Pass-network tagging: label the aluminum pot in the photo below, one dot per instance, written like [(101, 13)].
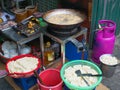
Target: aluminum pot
[(63, 27), (108, 69)]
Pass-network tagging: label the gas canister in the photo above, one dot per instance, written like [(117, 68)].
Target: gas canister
[(104, 39)]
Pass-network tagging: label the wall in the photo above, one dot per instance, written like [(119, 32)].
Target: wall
[(104, 9)]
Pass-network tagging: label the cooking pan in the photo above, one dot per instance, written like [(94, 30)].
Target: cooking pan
[(55, 12)]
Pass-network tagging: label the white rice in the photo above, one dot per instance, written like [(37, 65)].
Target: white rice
[(108, 59), (72, 77)]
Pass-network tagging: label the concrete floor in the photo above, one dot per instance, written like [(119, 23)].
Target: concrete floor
[(4, 85), (114, 82)]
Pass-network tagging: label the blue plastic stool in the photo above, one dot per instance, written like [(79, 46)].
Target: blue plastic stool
[(25, 83), (66, 88)]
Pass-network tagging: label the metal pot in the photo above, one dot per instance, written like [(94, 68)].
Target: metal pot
[(63, 27)]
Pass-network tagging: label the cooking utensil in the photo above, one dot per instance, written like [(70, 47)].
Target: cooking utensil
[(37, 75), (78, 72), (54, 12)]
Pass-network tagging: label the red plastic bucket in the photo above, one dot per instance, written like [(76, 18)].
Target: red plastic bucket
[(51, 79)]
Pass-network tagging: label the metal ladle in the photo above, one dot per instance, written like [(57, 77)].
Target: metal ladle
[(40, 80), (78, 72)]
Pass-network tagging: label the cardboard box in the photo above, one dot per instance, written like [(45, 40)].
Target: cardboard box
[(102, 87)]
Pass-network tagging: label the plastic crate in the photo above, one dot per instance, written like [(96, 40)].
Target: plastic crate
[(25, 83)]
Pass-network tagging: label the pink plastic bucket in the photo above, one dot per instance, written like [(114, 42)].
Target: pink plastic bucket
[(51, 79)]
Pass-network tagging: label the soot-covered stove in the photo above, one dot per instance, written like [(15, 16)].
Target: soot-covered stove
[(64, 32)]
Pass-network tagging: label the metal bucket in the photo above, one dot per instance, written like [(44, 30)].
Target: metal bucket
[(107, 70)]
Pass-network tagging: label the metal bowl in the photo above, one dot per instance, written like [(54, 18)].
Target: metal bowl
[(55, 12)]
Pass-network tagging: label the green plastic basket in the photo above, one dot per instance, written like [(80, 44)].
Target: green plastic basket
[(79, 62)]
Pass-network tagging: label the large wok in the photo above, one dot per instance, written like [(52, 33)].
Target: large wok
[(54, 12)]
